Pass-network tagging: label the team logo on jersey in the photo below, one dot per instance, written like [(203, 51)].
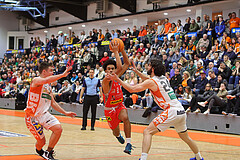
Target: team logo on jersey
[(33, 97), (172, 95), (116, 101), (109, 118)]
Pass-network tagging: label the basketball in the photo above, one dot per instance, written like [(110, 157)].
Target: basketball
[(120, 42)]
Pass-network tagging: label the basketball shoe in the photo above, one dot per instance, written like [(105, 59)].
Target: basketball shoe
[(128, 148), (121, 139), (195, 158), (43, 153)]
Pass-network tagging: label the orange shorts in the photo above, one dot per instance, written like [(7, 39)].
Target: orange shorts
[(112, 115), (36, 124)]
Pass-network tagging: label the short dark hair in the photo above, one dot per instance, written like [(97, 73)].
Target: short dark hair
[(92, 69), (159, 67), (44, 66), (109, 62)]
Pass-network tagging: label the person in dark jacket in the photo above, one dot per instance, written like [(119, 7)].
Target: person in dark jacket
[(176, 79), (225, 71), (233, 102), (194, 106), (200, 82), (218, 82), (212, 78)]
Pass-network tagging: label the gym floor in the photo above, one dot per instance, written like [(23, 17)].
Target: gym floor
[(102, 145)]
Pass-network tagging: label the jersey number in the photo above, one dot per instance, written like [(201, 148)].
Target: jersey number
[(166, 86)]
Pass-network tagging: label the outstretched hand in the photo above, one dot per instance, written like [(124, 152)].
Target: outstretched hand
[(132, 67), (114, 45), (66, 72), (71, 114)]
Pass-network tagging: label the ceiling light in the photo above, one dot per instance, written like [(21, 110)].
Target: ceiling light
[(109, 22), (165, 13), (45, 31), (125, 19), (83, 25), (156, 23), (69, 28), (188, 10), (219, 15)]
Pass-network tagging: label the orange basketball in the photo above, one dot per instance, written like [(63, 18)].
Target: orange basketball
[(120, 42)]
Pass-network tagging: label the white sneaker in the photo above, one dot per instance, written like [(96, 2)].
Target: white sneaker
[(202, 104), (224, 113), (206, 112), (188, 110), (197, 111), (232, 114), (131, 107)]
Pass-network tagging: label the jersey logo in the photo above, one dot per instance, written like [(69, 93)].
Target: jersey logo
[(116, 101), (33, 97), (172, 95), (108, 118)]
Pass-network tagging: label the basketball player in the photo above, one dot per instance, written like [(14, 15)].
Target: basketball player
[(40, 98), (173, 114), (115, 111)]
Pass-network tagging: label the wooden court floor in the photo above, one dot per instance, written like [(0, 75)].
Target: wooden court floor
[(102, 145)]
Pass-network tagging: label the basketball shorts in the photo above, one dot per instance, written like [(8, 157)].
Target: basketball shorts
[(112, 114), (171, 117), (36, 124)]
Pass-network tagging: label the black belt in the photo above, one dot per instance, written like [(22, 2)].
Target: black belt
[(91, 95), (180, 112)]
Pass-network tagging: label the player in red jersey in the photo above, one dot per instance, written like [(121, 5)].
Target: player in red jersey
[(115, 111)]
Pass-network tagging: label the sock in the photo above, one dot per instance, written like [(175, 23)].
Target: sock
[(128, 140), (198, 156), (144, 156), (49, 149), (40, 152)]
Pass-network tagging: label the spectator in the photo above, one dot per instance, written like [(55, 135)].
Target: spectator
[(186, 80), (234, 78), (212, 78), (211, 67), (193, 26), (100, 35), (65, 92), (187, 25), (218, 82), (179, 91), (179, 28), (135, 33), (176, 79), (234, 23), (105, 58), (203, 42), (220, 28), (227, 61), (225, 71), (198, 71), (187, 97), (167, 26), (107, 36), (233, 102), (74, 78), (191, 68), (194, 106), (216, 100), (198, 21), (230, 53), (141, 49), (61, 38), (200, 82)]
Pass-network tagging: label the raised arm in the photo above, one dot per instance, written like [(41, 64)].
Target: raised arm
[(40, 81), (148, 84), (126, 63), (114, 47)]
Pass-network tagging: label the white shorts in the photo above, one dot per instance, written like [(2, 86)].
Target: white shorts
[(171, 117), (36, 124)]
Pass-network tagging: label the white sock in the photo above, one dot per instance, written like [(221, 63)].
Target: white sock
[(144, 156), (198, 156), (128, 140)]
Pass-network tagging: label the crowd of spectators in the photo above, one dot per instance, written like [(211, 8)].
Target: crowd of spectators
[(197, 67)]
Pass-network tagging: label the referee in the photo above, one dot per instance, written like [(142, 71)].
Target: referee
[(91, 98)]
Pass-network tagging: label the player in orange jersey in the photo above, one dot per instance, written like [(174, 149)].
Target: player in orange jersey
[(173, 114), (40, 98)]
